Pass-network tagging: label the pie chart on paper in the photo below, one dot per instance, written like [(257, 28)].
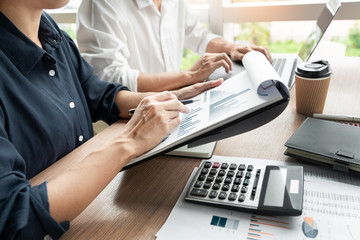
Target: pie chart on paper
[(310, 227)]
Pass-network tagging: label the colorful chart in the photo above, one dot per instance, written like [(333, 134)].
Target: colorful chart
[(266, 227), (309, 227), (224, 222)]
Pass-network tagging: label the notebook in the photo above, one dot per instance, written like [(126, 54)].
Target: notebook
[(201, 151), (326, 142), (285, 63)]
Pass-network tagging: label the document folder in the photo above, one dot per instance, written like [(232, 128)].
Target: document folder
[(327, 143), (243, 102)]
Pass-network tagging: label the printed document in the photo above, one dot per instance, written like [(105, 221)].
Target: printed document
[(235, 98)]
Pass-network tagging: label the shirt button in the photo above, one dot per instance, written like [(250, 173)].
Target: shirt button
[(72, 104), (81, 138), (48, 237), (52, 72)]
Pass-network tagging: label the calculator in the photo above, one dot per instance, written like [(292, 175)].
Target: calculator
[(256, 188)]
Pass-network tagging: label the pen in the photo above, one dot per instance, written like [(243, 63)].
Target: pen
[(336, 117), (187, 101)]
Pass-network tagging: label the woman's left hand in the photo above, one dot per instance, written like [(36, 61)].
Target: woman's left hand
[(196, 89)]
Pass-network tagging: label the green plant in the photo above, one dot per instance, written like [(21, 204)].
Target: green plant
[(188, 60), (354, 36), (256, 33)]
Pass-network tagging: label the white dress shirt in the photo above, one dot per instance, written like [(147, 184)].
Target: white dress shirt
[(121, 38)]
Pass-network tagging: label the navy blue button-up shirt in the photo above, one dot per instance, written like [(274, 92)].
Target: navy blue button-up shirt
[(48, 99)]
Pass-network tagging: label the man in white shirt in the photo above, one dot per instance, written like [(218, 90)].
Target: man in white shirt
[(140, 43)]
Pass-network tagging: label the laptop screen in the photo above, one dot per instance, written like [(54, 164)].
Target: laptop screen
[(319, 29)]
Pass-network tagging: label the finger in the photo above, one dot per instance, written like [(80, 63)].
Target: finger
[(163, 96), (224, 56), (265, 51), (173, 123), (222, 63), (202, 87), (174, 105)]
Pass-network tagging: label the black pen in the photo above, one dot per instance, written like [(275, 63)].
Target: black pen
[(187, 101)]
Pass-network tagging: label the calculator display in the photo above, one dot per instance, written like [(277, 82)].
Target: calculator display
[(274, 195)]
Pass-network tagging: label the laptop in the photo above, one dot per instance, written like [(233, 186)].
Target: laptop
[(285, 63)]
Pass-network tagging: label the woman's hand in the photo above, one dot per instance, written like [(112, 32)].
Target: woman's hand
[(196, 89), (152, 121)]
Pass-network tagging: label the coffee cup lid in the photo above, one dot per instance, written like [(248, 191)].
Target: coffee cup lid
[(315, 69)]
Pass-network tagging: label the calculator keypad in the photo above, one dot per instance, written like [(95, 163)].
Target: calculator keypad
[(226, 183)]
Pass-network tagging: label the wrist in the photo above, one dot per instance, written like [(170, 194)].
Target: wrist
[(122, 148), (187, 77)]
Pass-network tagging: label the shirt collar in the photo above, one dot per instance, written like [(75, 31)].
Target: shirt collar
[(19, 48)]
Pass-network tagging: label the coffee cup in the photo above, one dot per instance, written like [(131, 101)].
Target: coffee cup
[(312, 81)]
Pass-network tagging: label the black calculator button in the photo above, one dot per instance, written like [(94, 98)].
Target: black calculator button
[(222, 195), (253, 192), (246, 182), (237, 181), (242, 197), (228, 180), (207, 185), (198, 184), (213, 172), (201, 177), (213, 194), (222, 173), (242, 167), (216, 186), (210, 178), (250, 168), (232, 196), (224, 166), (233, 166), (244, 189), (216, 165), (199, 192), (225, 187), (258, 172), (207, 165), (248, 175), (219, 179), (235, 188), (230, 173), (239, 174), (204, 171)]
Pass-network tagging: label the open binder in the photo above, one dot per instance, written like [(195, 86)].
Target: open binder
[(243, 102)]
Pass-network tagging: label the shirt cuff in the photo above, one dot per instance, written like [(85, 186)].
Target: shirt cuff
[(205, 42), (124, 75), (41, 223)]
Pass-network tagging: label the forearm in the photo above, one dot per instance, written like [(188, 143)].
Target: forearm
[(158, 82), (126, 100), (219, 45), (71, 192)]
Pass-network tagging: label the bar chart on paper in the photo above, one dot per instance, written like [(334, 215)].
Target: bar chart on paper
[(223, 222), (268, 227)]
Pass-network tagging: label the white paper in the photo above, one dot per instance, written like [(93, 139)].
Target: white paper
[(331, 211), (235, 98)]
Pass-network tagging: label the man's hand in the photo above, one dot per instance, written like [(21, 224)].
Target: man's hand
[(207, 64), (238, 51)]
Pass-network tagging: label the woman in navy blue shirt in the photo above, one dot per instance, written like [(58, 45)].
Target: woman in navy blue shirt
[(48, 100)]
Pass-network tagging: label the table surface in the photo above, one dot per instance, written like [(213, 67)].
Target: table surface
[(138, 200)]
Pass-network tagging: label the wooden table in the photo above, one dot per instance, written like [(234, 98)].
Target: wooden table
[(138, 200)]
